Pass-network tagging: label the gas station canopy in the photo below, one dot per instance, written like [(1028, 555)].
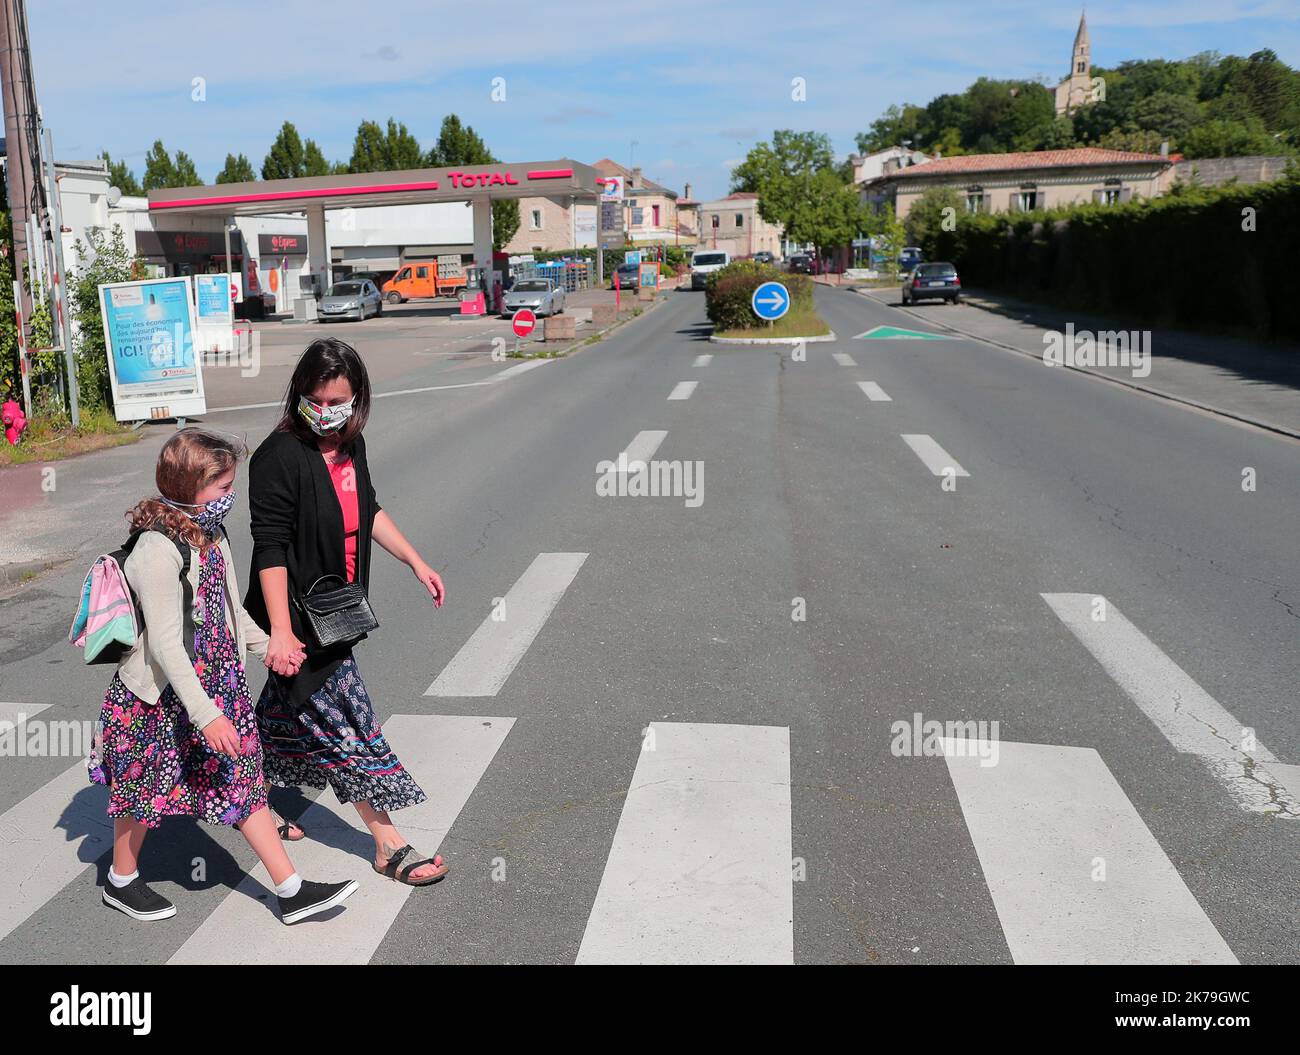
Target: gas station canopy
[(543, 179)]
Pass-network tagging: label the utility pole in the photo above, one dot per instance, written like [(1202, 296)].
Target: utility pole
[(22, 143), (60, 287)]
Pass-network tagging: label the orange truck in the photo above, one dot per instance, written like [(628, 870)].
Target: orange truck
[(426, 278)]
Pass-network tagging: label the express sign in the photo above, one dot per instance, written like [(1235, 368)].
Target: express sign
[(481, 179)]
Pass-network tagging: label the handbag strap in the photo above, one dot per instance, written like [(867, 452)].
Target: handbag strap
[(312, 588)]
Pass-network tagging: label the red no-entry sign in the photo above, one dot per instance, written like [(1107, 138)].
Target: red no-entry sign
[(523, 322)]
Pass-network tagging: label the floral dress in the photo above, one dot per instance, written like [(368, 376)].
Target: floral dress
[(154, 761)]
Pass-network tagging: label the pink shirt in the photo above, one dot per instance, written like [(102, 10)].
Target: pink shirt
[(344, 478)]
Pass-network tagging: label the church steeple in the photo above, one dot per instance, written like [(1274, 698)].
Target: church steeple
[(1082, 63)]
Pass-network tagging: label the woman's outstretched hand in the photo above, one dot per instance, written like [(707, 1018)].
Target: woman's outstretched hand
[(432, 582), (285, 653)]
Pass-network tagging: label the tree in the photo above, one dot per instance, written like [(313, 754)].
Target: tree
[(314, 163), (158, 168), (285, 158), (236, 170), (926, 216), (376, 150), (121, 177), (459, 144), (1220, 139), (185, 174), (888, 241), (103, 258)]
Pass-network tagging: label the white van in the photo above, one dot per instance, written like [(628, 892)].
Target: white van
[(704, 262)]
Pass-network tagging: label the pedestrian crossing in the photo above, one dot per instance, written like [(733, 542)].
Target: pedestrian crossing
[(701, 866)]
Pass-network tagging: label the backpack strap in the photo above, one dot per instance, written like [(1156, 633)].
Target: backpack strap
[(187, 592)]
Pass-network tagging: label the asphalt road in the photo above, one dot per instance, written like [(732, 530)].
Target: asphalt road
[(1129, 832)]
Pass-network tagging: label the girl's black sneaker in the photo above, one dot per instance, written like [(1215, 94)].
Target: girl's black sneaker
[(138, 901), (314, 898)]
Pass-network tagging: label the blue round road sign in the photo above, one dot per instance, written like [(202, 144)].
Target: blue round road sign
[(770, 301)]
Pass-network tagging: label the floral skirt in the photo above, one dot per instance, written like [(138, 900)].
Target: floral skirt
[(335, 739), (158, 765)]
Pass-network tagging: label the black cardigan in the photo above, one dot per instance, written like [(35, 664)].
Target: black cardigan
[(297, 524)]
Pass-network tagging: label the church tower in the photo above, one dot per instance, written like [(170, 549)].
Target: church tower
[(1076, 89)]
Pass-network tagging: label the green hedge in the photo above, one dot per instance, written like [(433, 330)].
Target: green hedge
[(1182, 259), (729, 289)]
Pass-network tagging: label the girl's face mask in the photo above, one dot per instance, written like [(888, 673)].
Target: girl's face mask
[(324, 420), (210, 514)]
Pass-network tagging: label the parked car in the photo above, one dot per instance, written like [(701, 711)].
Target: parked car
[(800, 264), (625, 277), (932, 282), (351, 300), (764, 257), (704, 263), (535, 293)]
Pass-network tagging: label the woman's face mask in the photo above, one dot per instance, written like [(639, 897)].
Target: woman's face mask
[(324, 420), (210, 514)]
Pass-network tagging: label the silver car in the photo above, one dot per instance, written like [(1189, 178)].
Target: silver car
[(535, 293), (351, 300)]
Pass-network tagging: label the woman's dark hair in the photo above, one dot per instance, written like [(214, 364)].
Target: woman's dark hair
[(324, 360)]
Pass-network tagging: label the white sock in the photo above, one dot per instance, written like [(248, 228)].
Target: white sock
[(122, 881), (289, 887)]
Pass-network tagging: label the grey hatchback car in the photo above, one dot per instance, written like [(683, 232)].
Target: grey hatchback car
[(351, 300), (932, 281)]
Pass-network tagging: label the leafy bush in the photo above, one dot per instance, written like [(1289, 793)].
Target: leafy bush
[(1191, 258), (729, 289)]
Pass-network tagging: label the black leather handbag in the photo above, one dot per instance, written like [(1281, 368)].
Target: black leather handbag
[(337, 616)]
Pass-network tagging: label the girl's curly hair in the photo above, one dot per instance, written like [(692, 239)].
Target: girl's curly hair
[(188, 462)]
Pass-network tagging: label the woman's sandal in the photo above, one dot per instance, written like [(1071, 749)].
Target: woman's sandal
[(404, 876), (284, 827)]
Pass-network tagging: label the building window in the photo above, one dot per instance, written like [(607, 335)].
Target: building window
[(537, 220), (975, 199), (654, 212), (1110, 195), (1027, 199), (715, 221), (740, 219), (1080, 66)]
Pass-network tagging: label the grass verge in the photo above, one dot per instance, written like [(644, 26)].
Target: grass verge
[(47, 440), (802, 323)]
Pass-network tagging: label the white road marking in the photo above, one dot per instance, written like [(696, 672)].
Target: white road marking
[(936, 459), (683, 390), (51, 836), (703, 360), (844, 359), (1074, 873), (1191, 719), (700, 867), (448, 755), (517, 369), (874, 392), (487, 659), (643, 447)]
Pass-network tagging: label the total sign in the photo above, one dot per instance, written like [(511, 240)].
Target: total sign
[(770, 301), (611, 188)]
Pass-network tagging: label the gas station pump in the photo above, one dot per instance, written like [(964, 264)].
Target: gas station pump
[(473, 297)]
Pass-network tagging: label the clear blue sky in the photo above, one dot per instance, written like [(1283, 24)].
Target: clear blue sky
[(694, 84)]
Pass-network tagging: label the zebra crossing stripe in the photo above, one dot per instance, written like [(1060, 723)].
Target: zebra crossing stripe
[(1192, 720), (700, 867), (486, 660), (1074, 873), (51, 836), (448, 754)]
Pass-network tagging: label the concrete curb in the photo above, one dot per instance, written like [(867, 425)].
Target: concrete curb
[(773, 340), (579, 343), (1245, 419)]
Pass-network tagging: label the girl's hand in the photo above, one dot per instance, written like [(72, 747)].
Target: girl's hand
[(284, 653), (432, 582), (221, 736)]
